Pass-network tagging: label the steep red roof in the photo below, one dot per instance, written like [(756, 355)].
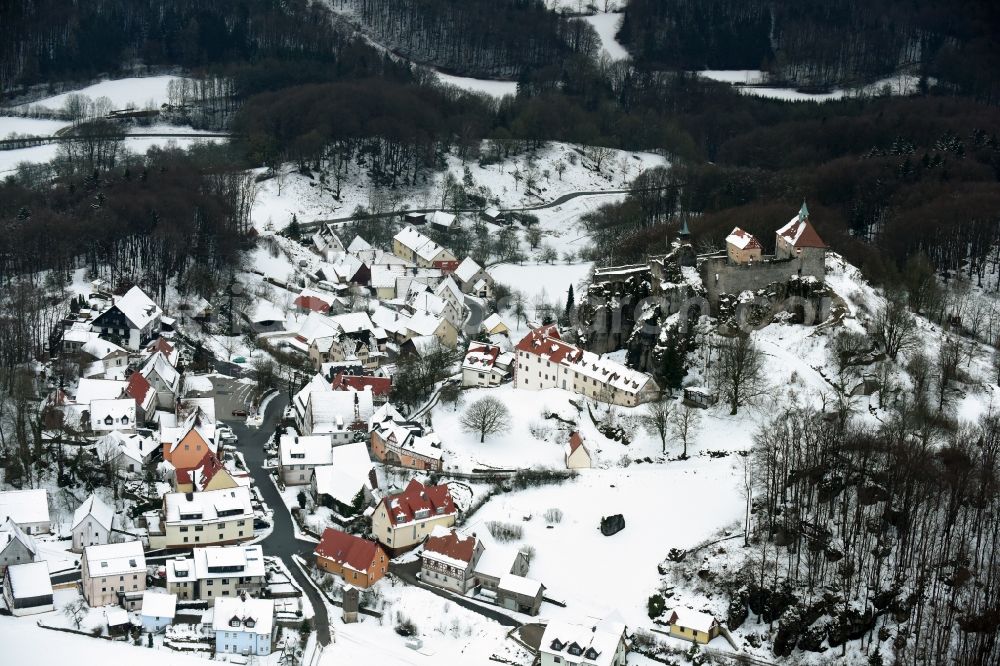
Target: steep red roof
[(452, 545), (800, 233), (447, 267), (346, 549), (312, 303), (575, 441), (208, 466), (161, 345), (545, 340), (381, 386), (403, 507), (138, 388), (744, 240)]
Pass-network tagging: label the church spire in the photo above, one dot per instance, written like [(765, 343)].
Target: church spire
[(803, 212)]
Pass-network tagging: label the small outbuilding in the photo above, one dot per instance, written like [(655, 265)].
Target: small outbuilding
[(576, 453), (520, 594), (158, 611), (695, 396), (27, 588), (693, 625)]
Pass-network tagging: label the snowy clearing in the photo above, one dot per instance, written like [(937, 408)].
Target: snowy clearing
[(490, 87), (32, 126), (548, 282), (607, 26), (137, 92)]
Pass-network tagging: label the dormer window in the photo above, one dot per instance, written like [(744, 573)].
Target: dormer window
[(574, 649), (108, 420), (235, 622), (557, 645), (250, 622), (591, 654)]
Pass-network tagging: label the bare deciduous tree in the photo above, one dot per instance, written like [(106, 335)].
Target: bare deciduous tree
[(893, 328), (656, 421), (684, 422), (739, 370), (486, 416)]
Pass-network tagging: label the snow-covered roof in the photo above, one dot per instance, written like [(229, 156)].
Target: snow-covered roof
[(317, 325), (480, 357), (410, 238), (334, 411), (467, 269), (305, 449), (255, 616), (159, 363), (448, 546), (419, 502), (353, 322), (358, 244), (115, 559), (138, 307), (100, 348), (208, 505), (89, 390), (217, 562), (30, 580), (598, 640), (742, 240), (449, 286), (691, 619), (528, 587), (102, 513), (115, 616), (800, 233), (136, 446), (441, 219), (493, 322), (347, 473), (9, 531), (424, 323), (546, 343), (25, 507), (264, 310), (348, 550), (496, 561), (387, 413), (120, 413), (158, 604)]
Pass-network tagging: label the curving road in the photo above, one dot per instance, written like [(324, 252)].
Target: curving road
[(281, 542)]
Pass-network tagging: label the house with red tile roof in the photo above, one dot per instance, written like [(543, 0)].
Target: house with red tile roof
[(140, 390), (743, 247), (208, 474), (485, 365), (449, 560), (358, 561), (310, 300), (576, 452), (544, 361), (402, 521), (381, 387)]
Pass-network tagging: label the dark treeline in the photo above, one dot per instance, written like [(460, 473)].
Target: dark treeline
[(822, 42), (885, 179), (492, 38), (875, 534), (57, 40)]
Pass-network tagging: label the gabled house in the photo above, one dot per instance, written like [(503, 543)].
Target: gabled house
[(693, 625), (16, 547), (405, 444), (114, 573), (111, 359), (576, 454), (131, 321), (135, 449), (473, 279), (243, 626), (743, 247), (327, 243), (298, 455), (144, 395), (411, 245), (217, 571), (206, 518), (337, 413), (584, 643), (29, 509), (92, 524), (441, 220), (158, 611), (27, 589), (107, 415), (346, 485), (163, 377), (494, 325), (185, 446), (358, 561), (402, 521), (449, 560), (485, 365), (380, 387), (208, 474), (799, 241), (163, 346), (454, 309), (310, 300), (544, 360)]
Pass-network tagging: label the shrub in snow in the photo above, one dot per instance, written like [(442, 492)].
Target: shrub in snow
[(655, 606), (405, 626), (504, 532), (553, 515)]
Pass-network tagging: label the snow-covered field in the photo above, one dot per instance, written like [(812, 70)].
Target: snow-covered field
[(607, 26), (31, 126), (548, 282), (137, 92), (745, 79), (9, 159), (487, 86)]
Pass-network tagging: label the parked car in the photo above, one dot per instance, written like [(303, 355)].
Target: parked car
[(239, 412), (260, 524)]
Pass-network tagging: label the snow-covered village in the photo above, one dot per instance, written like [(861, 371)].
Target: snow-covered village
[(498, 332)]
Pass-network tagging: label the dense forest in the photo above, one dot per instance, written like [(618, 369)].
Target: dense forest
[(491, 38), (822, 42)]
